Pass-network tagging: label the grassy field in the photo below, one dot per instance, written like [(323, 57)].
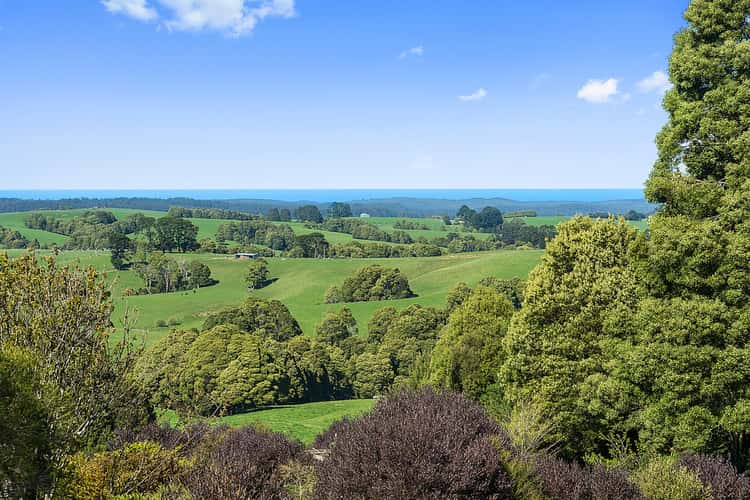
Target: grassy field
[(554, 220), (15, 220), (303, 421), (300, 285)]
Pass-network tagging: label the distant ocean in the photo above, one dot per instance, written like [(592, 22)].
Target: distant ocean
[(329, 195)]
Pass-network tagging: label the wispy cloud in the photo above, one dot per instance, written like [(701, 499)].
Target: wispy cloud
[(417, 51), (656, 82), (137, 9), (598, 91), (232, 17), (477, 95)]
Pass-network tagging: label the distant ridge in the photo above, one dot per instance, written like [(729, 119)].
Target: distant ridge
[(384, 207)]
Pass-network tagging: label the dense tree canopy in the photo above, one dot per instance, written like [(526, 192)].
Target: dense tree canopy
[(267, 317), (470, 347), (256, 275), (555, 343), (308, 213), (175, 233), (339, 209), (10, 238), (698, 270), (371, 283), (162, 274), (649, 339), (487, 219)]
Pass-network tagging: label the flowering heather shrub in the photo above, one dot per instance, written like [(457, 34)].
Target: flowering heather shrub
[(245, 464), (417, 445), (718, 474), (569, 481)]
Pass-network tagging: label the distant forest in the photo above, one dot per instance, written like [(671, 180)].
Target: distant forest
[(391, 207)]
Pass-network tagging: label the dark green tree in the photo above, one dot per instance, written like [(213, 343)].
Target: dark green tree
[(308, 213), (26, 449), (256, 275), (486, 220), (338, 209), (686, 359), (273, 214), (465, 213), (120, 248), (337, 326), (313, 245), (267, 317), (555, 344), (285, 215), (372, 283), (199, 275), (175, 233), (470, 347)]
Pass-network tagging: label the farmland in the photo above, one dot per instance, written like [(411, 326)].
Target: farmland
[(300, 284)]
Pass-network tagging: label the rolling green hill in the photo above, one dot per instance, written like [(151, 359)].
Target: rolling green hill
[(300, 285)]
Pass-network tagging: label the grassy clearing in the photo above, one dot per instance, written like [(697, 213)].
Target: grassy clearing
[(303, 421)]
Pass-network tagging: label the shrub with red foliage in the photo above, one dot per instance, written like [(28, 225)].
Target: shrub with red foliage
[(569, 481), (719, 474), (243, 465), (417, 445)]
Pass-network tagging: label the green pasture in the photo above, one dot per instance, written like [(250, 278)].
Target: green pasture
[(302, 421), (15, 220), (299, 283)]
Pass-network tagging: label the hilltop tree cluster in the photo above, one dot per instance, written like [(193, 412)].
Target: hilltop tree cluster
[(10, 238), (162, 274), (371, 283)]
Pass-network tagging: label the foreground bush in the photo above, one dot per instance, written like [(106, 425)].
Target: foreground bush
[(663, 479), (245, 464), (138, 468), (414, 445), (718, 476), (569, 481)]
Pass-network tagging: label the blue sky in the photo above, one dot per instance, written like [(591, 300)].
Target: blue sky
[(254, 94)]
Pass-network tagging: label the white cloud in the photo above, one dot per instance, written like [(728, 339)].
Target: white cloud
[(137, 9), (417, 51), (233, 17), (598, 91), (657, 82), (477, 95)]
